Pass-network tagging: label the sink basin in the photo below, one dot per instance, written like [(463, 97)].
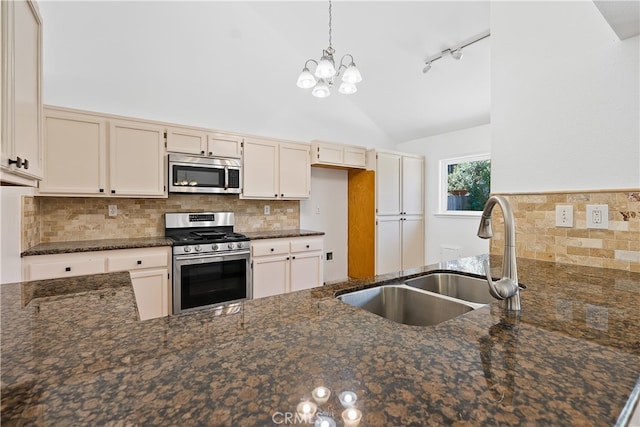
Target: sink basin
[(406, 305), (458, 286)]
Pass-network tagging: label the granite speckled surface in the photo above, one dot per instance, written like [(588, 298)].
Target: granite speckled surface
[(83, 358), (277, 234), (95, 245)]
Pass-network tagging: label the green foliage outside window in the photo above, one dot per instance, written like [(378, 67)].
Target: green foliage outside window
[(471, 180)]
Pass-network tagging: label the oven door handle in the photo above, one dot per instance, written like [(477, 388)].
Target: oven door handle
[(222, 256)]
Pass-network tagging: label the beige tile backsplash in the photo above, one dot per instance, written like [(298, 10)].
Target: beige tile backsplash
[(537, 237), (58, 219)]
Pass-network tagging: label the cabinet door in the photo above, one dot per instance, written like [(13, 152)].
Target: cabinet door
[(220, 144), (295, 171), (355, 157), (329, 153), (388, 184), (412, 185), (152, 292), (22, 88), (412, 242), (260, 161), (188, 141), (136, 159), (306, 270), (270, 276), (388, 245), (76, 150)]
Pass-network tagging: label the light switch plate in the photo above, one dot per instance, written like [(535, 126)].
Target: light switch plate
[(598, 216), (564, 216)]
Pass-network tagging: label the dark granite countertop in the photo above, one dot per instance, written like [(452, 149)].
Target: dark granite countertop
[(95, 245), (78, 355), (277, 234)]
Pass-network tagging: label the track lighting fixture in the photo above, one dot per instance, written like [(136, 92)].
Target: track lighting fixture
[(455, 53)]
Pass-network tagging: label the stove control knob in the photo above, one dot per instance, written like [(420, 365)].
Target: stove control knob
[(198, 248), (214, 247), (240, 245), (230, 245), (187, 248)]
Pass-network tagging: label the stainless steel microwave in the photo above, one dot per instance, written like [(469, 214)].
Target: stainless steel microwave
[(195, 174)]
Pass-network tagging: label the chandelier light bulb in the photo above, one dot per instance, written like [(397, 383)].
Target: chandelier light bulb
[(321, 89), (325, 68), (347, 88), (306, 79), (352, 74)]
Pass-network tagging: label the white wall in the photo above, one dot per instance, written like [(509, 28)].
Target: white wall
[(565, 99), (10, 220), (444, 230), (329, 197)]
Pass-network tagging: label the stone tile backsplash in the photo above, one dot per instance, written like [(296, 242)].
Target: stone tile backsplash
[(58, 219), (537, 237)]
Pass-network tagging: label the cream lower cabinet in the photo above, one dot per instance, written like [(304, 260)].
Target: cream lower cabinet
[(286, 265), (275, 170), (149, 269), (399, 243)]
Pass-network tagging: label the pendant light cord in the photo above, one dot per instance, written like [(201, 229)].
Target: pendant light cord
[(330, 47)]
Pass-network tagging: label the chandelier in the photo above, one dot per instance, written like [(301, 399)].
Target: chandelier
[(326, 72)]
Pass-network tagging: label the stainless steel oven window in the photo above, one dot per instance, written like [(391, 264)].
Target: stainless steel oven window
[(210, 280)]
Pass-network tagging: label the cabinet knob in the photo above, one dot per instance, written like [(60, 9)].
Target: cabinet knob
[(25, 163), (210, 153), (101, 190), (307, 246), (139, 262), (67, 269), (17, 162), (113, 191), (202, 152), (287, 258), (275, 195), (282, 195), (293, 257), (271, 249)]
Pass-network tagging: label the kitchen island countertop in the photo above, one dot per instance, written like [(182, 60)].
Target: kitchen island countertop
[(75, 352)]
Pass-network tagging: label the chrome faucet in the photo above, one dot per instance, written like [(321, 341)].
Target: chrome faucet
[(507, 287)]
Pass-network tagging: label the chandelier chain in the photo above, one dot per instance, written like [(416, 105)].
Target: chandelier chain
[(330, 47)]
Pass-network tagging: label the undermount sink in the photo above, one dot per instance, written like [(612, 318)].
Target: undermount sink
[(407, 305), (458, 286)]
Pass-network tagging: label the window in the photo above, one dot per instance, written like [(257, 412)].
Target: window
[(465, 184)]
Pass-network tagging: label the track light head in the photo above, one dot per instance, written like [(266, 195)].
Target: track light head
[(456, 54), (427, 67)]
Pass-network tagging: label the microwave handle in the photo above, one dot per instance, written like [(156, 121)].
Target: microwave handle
[(226, 177)]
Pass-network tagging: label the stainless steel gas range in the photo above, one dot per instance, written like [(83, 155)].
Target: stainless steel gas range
[(210, 261)]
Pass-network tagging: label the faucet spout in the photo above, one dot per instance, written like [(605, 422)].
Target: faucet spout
[(507, 287)]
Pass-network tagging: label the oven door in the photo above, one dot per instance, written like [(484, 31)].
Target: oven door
[(210, 280)]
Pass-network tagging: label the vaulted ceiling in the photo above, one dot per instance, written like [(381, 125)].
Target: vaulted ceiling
[(233, 65)]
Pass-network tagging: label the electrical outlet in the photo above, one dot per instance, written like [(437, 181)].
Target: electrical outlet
[(113, 210), (564, 216), (267, 210), (598, 216)]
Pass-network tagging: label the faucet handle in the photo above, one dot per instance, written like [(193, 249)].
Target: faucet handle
[(503, 288)]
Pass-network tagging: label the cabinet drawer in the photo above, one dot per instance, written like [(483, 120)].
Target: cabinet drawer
[(270, 248), (136, 262), (51, 270), (304, 245)]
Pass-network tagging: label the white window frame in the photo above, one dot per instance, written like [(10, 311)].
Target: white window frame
[(444, 167)]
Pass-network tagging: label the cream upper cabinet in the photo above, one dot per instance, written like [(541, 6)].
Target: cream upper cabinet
[(22, 149), (93, 155), (224, 145), (199, 142), (275, 170), (338, 155), (76, 153), (295, 171), (260, 169), (399, 184), (187, 141), (136, 159)]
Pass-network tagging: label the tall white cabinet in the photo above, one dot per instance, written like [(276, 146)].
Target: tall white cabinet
[(399, 201), (21, 92)]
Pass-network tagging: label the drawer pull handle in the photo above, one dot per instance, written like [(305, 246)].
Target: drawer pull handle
[(113, 191), (307, 246), (67, 269), (139, 262)]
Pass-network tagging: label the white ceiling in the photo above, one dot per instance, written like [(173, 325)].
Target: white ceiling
[(233, 65)]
